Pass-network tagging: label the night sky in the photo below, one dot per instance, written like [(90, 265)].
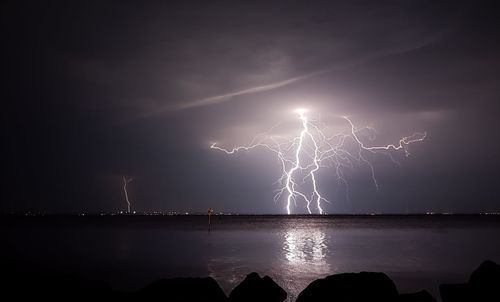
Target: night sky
[(93, 91)]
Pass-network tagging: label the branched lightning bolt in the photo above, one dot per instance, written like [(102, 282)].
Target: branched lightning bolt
[(305, 154), (125, 182)]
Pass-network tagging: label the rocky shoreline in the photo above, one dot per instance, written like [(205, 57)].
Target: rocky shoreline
[(483, 285)]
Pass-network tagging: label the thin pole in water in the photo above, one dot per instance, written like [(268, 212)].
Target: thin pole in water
[(210, 211)]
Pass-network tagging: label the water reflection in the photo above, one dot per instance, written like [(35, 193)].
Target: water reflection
[(306, 250), (228, 271)]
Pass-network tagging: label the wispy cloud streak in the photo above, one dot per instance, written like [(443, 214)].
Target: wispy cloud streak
[(226, 97)]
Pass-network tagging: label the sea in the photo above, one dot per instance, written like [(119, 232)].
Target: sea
[(129, 251)]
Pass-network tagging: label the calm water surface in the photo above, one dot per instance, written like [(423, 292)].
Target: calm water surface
[(417, 252)]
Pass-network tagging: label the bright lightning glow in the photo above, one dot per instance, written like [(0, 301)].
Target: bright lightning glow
[(300, 111), (125, 182), (301, 158)]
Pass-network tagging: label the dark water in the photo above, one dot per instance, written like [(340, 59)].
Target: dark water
[(417, 252)]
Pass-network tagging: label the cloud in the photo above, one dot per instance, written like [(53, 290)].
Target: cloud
[(228, 96)]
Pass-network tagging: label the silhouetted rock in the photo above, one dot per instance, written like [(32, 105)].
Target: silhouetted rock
[(455, 292), (483, 285), (364, 286), (484, 282), (182, 289), (255, 288), (421, 296), (486, 279)]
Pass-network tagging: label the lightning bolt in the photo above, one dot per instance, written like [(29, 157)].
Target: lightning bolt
[(301, 158), (125, 182)]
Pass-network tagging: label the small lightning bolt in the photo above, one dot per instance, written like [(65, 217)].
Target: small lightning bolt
[(301, 157), (125, 182)]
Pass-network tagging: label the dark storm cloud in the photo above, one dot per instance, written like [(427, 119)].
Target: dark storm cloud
[(96, 90)]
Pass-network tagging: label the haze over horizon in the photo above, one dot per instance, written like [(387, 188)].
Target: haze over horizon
[(98, 91)]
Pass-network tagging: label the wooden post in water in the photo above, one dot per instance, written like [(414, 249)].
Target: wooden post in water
[(210, 211)]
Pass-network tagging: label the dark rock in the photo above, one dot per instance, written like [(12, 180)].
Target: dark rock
[(182, 289), (487, 275), (485, 282), (421, 296), (364, 286), (254, 288), (483, 285), (455, 292)]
